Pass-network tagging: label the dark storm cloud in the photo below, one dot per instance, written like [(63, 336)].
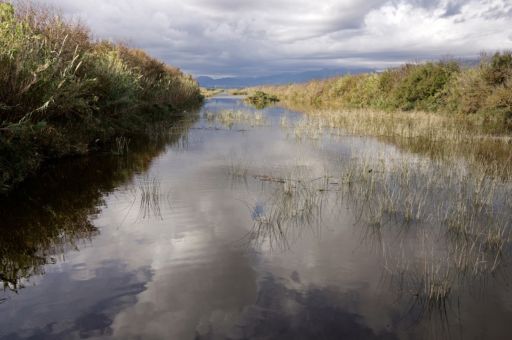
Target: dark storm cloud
[(231, 37)]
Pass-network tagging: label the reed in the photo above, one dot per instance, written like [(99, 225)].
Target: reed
[(446, 87), (229, 118), (63, 93)]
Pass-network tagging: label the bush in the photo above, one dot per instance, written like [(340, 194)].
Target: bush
[(497, 70), (444, 86), (423, 87), (61, 92)]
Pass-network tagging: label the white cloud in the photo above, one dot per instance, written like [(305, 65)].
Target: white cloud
[(250, 37)]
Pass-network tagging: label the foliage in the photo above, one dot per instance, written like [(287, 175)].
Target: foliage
[(261, 99), (443, 86), (62, 92)]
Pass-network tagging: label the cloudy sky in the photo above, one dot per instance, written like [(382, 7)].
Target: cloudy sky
[(262, 37)]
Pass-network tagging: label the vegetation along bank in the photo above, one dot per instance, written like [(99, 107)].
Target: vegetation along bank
[(481, 92), (63, 93)]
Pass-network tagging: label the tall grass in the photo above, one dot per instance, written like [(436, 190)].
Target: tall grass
[(63, 93), (445, 86)]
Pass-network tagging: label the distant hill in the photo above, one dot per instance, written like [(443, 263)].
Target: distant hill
[(283, 78)]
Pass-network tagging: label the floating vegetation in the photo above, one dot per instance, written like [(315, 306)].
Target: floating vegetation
[(261, 99)]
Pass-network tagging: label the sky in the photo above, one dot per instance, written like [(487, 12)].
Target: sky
[(264, 37)]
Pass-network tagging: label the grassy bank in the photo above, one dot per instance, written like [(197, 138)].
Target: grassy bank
[(63, 93), (445, 87)]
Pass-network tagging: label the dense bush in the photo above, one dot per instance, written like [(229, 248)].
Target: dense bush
[(63, 93), (444, 86), (422, 87), (261, 99)]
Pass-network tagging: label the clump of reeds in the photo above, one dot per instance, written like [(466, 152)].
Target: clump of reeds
[(261, 99), (457, 216), (295, 204), (434, 135), (121, 145), (150, 196), (229, 118)]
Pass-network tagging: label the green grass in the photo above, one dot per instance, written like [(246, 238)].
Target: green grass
[(63, 93), (261, 99)]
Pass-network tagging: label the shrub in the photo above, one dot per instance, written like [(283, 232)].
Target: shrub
[(61, 92), (444, 86), (423, 86), (496, 70)]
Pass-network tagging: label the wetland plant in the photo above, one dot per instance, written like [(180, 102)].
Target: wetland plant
[(229, 118), (120, 146), (261, 99), (150, 195)]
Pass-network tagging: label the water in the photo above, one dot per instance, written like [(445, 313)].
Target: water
[(224, 230)]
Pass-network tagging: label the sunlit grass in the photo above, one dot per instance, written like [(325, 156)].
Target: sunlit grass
[(229, 118)]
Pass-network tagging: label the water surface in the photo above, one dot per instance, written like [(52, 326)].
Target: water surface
[(196, 234)]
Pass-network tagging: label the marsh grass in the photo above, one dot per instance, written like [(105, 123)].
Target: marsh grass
[(439, 137), (446, 86), (260, 99), (229, 118), (295, 205), (63, 93), (150, 198), (121, 146), (238, 169), (439, 206), (461, 221), (441, 225)]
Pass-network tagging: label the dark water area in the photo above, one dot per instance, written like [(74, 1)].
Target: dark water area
[(227, 227)]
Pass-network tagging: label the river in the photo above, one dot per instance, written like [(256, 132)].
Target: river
[(233, 226)]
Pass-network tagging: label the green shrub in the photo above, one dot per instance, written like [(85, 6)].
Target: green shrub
[(61, 92), (423, 86), (444, 86), (497, 69)]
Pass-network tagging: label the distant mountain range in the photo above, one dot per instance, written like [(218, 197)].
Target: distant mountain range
[(283, 78)]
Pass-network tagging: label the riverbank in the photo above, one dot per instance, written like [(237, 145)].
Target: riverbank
[(63, 93), (481, 93)]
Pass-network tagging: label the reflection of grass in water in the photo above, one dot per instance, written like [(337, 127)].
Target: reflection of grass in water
[(178, 132), (45, 219), (465, 217), (120, 146), (439, 137), (150, 195), (461, 220), (295, 204), (456, 203), (238, 169)]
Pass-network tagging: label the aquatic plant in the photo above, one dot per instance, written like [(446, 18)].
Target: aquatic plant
[(261, 99), (150, 195), (229, 118)]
